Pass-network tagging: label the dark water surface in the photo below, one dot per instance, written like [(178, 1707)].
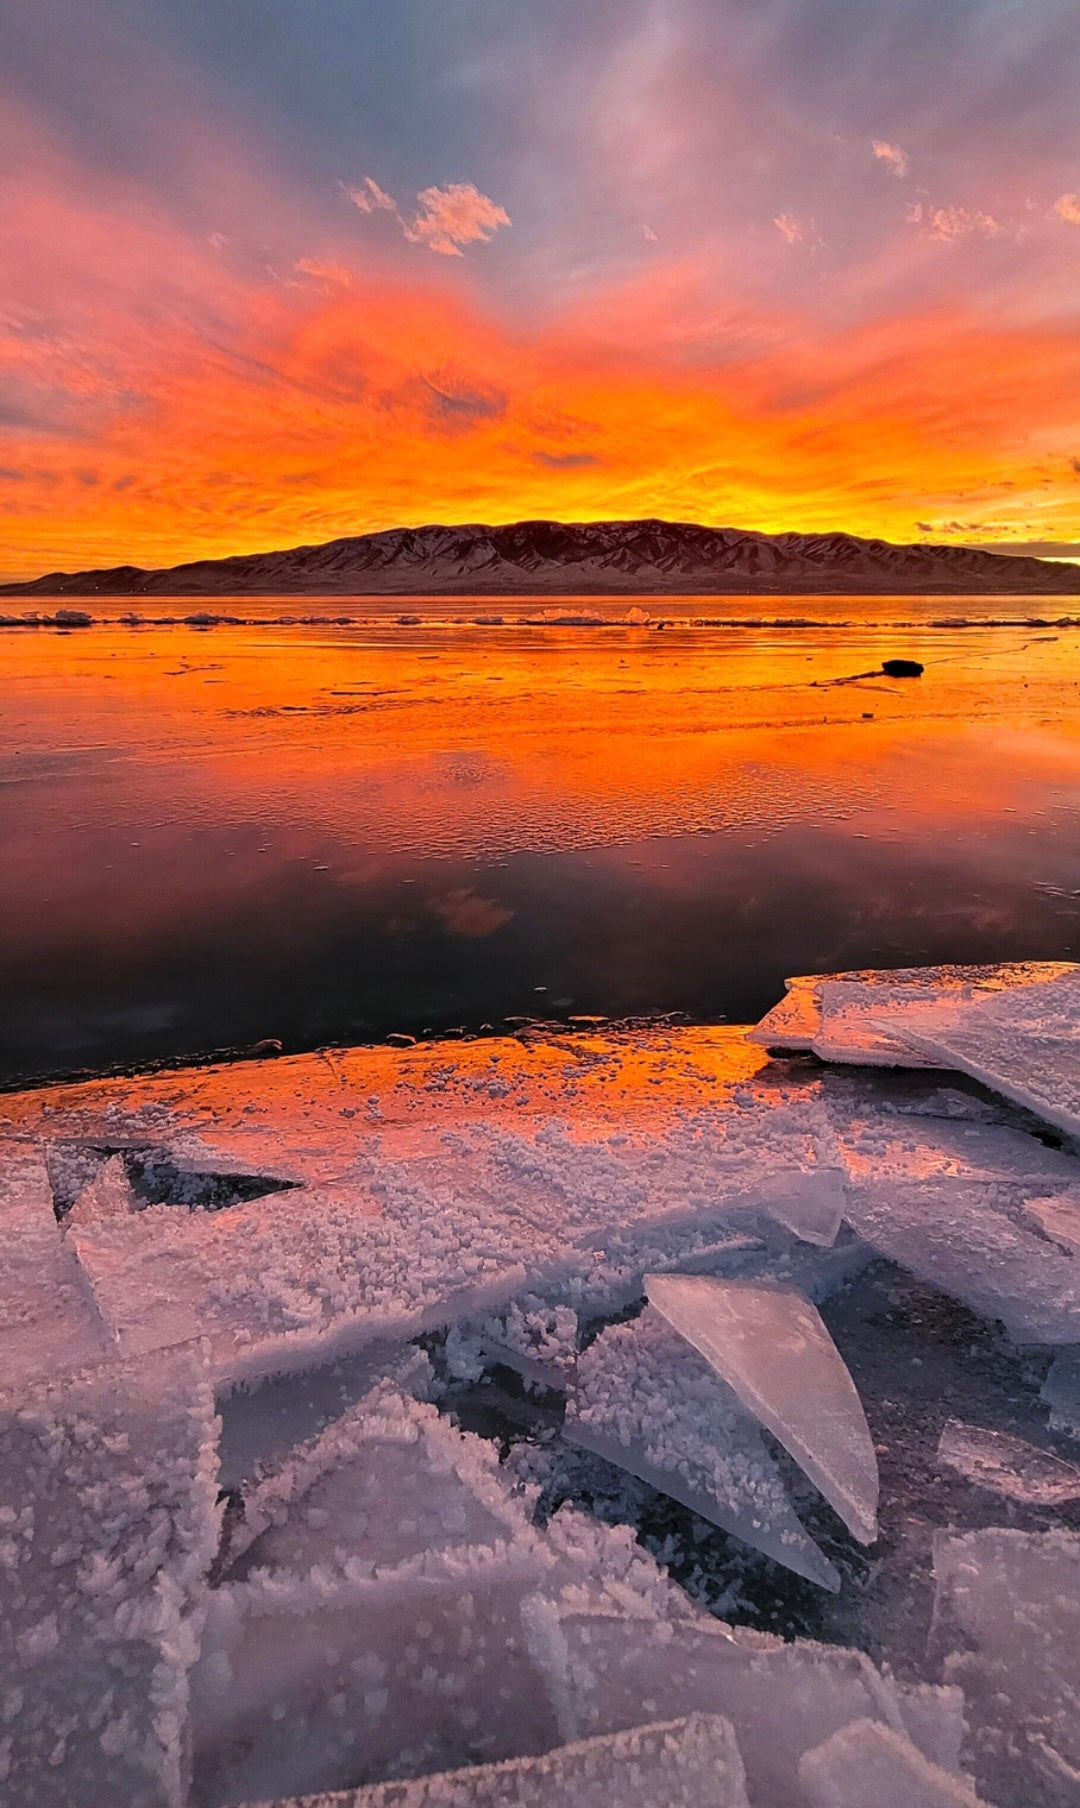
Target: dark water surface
[(328, 832)]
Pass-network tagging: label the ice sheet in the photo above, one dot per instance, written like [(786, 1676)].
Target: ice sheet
[(770, 1345), (1024, 1045), (689, 1763), (1008, 1466), (967, 1237), (108, 1523), (1007, 1623), (647, 1401), (605, 1669), (387, 1482), (868, 1763), (48, 1320)]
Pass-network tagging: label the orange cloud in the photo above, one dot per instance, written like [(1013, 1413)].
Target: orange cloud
[(789, 226), (370, 198), (897, 160), (1067, 207), (946, 223), (455, 216)]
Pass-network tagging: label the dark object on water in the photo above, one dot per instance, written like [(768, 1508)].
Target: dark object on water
[(270, 1045), (902, 668), (400, 1039)]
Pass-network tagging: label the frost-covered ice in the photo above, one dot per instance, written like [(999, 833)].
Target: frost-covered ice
[(1007, 1625), (604, 1666), (867, 1764), (688, 1763), (770, 1345), (107, 1195), (48, 1319), (108, 1524), (1023, 1044), (1008, 1466), (645, 1400)]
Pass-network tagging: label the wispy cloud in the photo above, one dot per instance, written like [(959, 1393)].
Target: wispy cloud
[(1067, 207), (949, 223), (324, 270), (790, 227), (454, 216), (897, 160), (370, 198)]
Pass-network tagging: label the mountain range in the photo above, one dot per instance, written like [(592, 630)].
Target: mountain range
[(537, 558)]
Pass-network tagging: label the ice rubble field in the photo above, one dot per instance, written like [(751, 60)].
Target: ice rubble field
[(558, 1420)]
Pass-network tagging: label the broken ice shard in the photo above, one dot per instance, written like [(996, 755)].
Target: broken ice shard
[(1007, 1465), (645, 1400), (48, 1320), (770, 1344), (870, 1763), (688, 1763)]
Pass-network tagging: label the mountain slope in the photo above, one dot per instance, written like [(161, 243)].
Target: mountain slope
[(550, 557)]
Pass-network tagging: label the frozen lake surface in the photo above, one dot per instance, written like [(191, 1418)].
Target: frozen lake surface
[(325, 833), (565, 1418)]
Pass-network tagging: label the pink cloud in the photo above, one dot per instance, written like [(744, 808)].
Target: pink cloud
[(1067, 207), (324, 270), (454, 216), (891, 154), (370, 198), (790, 227), (949, 223)]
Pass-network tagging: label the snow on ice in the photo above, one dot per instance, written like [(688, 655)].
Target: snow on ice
[(315, 1374)]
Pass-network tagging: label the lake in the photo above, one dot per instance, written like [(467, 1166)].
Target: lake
[(332, 830)]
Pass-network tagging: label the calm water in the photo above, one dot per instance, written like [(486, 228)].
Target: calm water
[(327, 832)]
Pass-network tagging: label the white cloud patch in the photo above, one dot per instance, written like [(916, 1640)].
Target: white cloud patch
[(1067, 207), (897, 160), (454, 216)]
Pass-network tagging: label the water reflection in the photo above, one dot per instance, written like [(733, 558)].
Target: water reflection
[(210, 838)]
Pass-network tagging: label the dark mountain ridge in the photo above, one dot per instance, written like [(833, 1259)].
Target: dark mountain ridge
[(538, 558)]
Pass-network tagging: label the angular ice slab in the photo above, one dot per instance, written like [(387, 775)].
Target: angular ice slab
[(867, 1765), (387, 1482), (1007, 1624), (771, 1346), (645, 1400), (108, 1195), (1023, 1044), (108, 1523), (1008, 1466), (48, 1320), (605, 1668), (689, 1763), (963, 1236)]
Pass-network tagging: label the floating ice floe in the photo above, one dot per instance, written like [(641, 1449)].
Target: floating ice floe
[(688, 1763), (868, 1763), (770, 1345), (1007, 1626), (645, 1400), (108, 1525), (1008, 1466)]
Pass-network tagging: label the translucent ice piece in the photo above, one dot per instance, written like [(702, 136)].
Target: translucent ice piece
[(957, 1235), (107, 1195), (1007, 1623), (645, 1400), (317, 1683), (604, 1669), (794, 1022), (1024, 1045), (1059, 1217), (869, 1763), (856, 1023), (771, 1346), (108, 1522), (1061, 1392), (388, 1481), (690, 1763), (48, 1320), (1008, 1466)]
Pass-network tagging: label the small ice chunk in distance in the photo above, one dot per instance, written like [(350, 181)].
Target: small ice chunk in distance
[(1007, 1465), (771, 1345), (647, 1401), (688, 1763), (867, 1763)]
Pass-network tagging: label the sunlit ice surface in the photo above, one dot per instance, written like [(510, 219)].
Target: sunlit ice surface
[(324, 832)]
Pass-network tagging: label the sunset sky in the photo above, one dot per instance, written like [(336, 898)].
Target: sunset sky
[(273, 271)]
